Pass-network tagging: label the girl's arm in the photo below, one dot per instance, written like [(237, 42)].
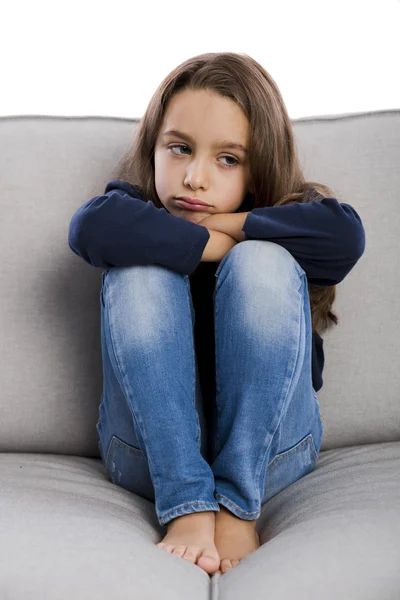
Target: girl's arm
[(217, 246), (228, 223)]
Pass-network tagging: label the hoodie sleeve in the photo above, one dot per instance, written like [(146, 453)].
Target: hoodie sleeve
[(326, 237), (119, 229)]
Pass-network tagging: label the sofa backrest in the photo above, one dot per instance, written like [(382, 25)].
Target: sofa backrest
[(50, 352)]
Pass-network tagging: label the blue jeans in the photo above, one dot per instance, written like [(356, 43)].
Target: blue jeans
[(266, 427)]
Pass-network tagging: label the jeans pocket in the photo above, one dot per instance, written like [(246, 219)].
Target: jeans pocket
[(128, 468), (289, 466)]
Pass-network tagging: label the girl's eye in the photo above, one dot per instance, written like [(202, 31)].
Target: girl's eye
[(184, 146)]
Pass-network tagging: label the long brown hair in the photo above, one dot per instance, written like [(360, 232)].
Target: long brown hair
[(276, 175)]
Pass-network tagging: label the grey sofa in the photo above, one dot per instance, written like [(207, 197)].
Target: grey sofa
[(66, 531)]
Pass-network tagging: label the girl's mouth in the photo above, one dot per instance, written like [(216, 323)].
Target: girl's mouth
[(196, 207)]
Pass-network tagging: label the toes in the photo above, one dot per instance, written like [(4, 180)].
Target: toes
[(190, 556), (225, 565), (210, 564), (179, 550), (167, 547)]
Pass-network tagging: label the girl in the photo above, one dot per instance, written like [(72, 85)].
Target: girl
[(220, 269)]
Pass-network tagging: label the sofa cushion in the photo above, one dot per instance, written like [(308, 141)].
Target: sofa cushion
[(333, 534), (66, 531)]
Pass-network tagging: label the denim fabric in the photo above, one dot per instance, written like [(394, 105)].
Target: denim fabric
[(266, 427)]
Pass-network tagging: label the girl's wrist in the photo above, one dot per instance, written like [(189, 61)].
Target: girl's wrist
[(229, 223)]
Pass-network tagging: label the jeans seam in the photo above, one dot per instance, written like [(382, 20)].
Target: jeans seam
[(262, 466), (198, 432), (121, 384)]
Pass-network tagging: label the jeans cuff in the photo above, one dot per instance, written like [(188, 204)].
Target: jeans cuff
[(235, 509), (186, 509)]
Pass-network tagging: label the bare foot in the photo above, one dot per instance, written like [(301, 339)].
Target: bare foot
[(192, 537), (234, 538)]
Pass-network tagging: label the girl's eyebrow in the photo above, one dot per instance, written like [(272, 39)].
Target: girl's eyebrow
[(219, 144)]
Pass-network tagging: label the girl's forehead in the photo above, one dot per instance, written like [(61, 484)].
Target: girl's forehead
[(198, 120)]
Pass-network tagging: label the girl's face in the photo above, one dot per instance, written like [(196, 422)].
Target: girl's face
[(194, 165)]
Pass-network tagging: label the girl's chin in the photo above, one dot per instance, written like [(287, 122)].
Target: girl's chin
[(192, 215)]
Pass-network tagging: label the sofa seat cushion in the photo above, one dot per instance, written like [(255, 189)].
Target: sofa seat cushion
[(67, 532), (333, 534), (65, 526)]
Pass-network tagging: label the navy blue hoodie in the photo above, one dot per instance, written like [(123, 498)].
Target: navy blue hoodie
[(119, 228)]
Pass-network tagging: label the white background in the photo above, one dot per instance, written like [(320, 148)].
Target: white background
[(107, 58)]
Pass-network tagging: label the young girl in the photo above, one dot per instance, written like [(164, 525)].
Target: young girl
[(212, 306)]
